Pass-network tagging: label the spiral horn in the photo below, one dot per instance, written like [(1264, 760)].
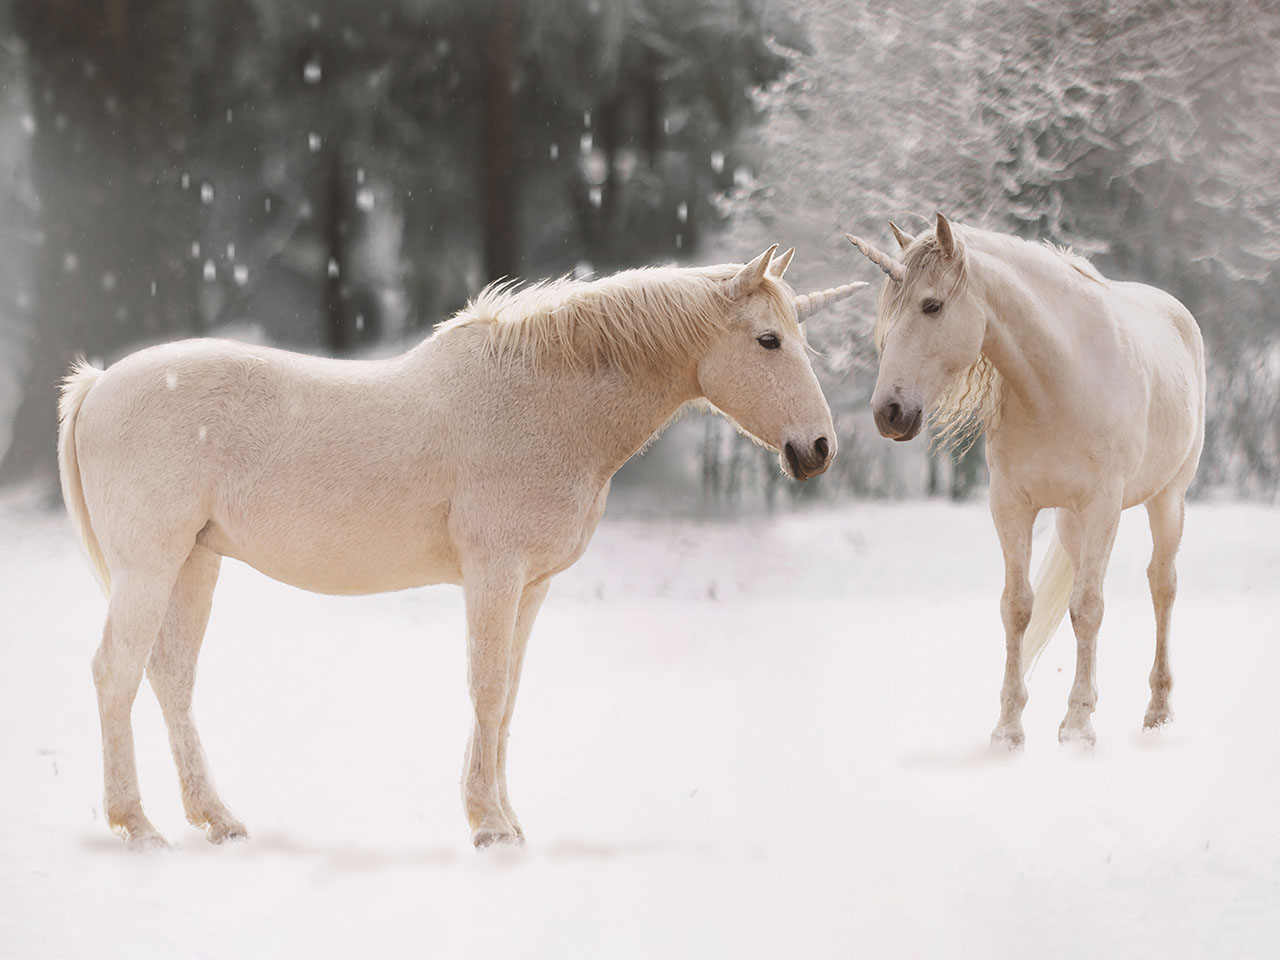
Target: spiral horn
[(892, 267), (810, 303)]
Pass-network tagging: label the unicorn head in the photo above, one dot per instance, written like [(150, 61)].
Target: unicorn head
[(929, 332), (757, 370)]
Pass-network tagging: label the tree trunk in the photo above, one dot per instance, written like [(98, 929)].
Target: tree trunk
[(499, 137), (340, 326), (110, 91)]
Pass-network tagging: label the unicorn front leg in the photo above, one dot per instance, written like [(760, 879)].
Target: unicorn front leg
[(530, 603), (1090, 532), (1013, 518), (493, 593)]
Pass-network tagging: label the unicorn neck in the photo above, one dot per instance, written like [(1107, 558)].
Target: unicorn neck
[(1028, 352), (623, 413)]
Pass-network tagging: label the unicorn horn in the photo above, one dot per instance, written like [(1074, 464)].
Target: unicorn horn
[(882, 260), (810, 303)]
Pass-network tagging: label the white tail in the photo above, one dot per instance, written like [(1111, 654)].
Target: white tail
[(1053, 593), (75, 388)]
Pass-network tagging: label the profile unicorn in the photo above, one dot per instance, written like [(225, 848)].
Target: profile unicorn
[(1092, 396), (481, 457)]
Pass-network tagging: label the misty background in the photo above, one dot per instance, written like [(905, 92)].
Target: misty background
[(338, 177)]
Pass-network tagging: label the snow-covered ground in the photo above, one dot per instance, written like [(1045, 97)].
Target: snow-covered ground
[(764, 738)]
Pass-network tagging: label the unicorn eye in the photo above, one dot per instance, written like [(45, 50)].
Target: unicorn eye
[(769, 341), (931, 305)]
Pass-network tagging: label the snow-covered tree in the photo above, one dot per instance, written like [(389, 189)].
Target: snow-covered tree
[(1145, 134)]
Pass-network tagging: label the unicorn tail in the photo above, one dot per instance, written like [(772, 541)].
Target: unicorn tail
[(75, 387), (1053, 593)]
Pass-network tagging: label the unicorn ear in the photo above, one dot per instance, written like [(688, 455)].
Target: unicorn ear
[(750, 276), (904, 239), (779, 266), (946, 241)]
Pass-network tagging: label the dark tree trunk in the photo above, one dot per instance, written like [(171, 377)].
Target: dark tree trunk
[(340, 324), (499, 137), (110, 92), (609, 126), (651, 91)]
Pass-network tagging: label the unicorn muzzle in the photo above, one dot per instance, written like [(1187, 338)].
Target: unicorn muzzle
[(805, 460), (898, 417)]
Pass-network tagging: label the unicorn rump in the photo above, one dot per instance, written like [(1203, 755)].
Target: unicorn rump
[(1092, 395), (481, 457)]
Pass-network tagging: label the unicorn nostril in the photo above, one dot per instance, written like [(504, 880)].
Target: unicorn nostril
[(893, 412), (793, 461), (821, 448)]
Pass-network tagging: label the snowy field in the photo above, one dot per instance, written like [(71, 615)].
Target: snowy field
[(760, 739)]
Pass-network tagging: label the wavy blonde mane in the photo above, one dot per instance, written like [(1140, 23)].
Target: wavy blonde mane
[(634, 321)]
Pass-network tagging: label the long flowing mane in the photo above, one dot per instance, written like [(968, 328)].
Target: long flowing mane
[(634, 321), (972, 403)]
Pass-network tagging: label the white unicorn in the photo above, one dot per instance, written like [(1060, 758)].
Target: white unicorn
[(481, 457), (1092, 395)]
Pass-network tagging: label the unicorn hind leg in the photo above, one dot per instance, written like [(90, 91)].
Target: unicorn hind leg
[(134, 616), (171, 670), (1165, 511)]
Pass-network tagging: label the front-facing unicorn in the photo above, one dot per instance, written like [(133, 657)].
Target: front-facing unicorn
[(482, 457), (1091, 393)]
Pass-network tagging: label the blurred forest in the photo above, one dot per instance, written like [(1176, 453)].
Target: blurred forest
[(338, 177)]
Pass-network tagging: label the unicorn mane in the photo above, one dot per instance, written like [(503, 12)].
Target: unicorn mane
[(1077, 262), (635, 321)]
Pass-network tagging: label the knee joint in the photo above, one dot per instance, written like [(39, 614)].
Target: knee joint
[(1162, 577), (1016, 605), (1086, 610)]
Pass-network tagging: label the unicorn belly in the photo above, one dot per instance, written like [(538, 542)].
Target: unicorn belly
[(335, 558)]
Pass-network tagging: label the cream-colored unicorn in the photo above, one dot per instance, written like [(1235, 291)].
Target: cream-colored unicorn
[(482, 457), (1092, 396)]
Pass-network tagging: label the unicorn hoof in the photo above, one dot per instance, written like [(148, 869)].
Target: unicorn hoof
[(226, 831), (496, 836), (1082, 736), (146, 840), (1157, 718), (1011, 739)]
